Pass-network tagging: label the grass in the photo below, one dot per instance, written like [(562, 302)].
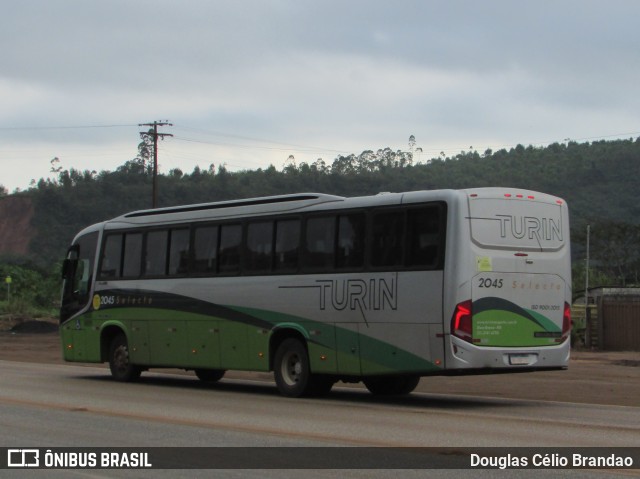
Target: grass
[(18, 309)]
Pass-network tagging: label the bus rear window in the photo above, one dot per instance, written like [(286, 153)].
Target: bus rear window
[(514, 224)]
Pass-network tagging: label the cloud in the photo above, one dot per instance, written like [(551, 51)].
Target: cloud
[(335, 76)]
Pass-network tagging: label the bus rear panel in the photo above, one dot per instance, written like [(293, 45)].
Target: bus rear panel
[(511, 308)]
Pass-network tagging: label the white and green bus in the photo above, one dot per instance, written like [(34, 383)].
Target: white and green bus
[(381, 289)]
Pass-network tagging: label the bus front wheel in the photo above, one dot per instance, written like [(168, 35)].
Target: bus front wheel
[(119, 360)]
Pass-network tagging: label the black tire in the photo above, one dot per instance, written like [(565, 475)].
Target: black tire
[(210, 375), (119, 361), (391, 385), (321, 384), (291, 369)]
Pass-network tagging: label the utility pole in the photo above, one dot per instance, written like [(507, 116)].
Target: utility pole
[(8, 281), (155, 134), (587, 311)]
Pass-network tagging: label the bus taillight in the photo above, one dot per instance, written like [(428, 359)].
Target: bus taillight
[(461, 323), (566, 322)]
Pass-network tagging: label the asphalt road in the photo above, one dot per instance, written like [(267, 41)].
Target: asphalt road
[(45, 405)]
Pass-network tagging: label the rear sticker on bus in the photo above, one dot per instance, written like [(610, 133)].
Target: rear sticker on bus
[(484, 263), (515, 310)]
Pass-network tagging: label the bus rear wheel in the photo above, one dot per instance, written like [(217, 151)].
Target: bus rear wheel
[(321, 384), (292, 372), (291, 368), (391, 385), (210, 375), (119, 360)]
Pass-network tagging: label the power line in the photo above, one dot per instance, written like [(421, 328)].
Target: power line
[(288, 146), (76, 127), (304, 149)]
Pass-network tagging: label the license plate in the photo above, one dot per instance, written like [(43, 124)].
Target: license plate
[(522, 359)]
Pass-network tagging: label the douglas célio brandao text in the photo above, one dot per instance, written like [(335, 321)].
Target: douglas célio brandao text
[(550, 460)]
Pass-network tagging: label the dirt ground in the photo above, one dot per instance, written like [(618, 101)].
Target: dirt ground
[(595, 377)]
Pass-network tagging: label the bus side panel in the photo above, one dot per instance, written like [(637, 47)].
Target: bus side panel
[(81, 339), (233, 345), (74, 342), (401, 348), (203, 344), (385, 323), (168, 342), (348, 349), (258, 348), (139, 340), (262, 324), (323, 357)]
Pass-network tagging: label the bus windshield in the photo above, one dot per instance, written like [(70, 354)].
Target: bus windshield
[(77, 273)]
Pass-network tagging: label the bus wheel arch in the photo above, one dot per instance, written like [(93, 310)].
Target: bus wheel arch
[(278, 336), (289, 360), (107, 336), (291, 368), (120, 361)]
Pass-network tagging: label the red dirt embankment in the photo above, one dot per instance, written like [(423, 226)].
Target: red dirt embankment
[(16, 230)]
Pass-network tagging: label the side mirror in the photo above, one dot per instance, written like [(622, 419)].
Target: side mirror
[(70, 264), (68, 268)]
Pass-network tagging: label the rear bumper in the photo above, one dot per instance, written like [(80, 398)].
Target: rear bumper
[(463, 355)]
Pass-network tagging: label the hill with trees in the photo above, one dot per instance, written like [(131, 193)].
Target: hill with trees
[(599, 180)]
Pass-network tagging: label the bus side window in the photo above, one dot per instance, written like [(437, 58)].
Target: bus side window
[(351, 241), (259, 247), (229, 252), (132, 261), (111, 257), (387, 234), (287, 247), (179, 251), (205, 249), (155, 256), (423, 229), (319, 243)]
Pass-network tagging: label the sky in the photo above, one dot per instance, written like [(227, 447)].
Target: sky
[(249, 83)]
